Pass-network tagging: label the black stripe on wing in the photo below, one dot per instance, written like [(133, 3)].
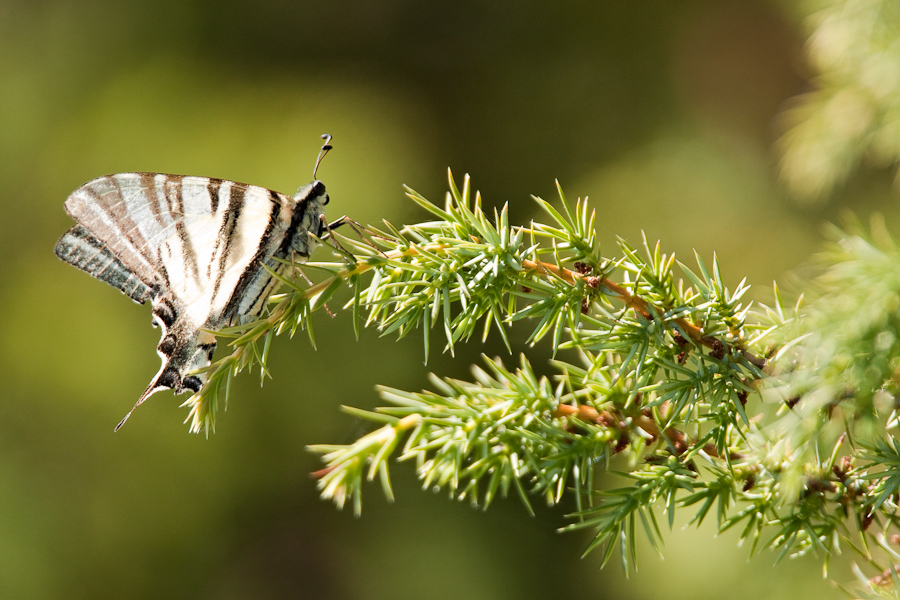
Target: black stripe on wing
[(255, 275), (226, 238), (135, 214), (99, 207), (81, 249)]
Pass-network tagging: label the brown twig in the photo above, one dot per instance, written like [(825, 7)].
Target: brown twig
[(640, 305), (886, 579), (679, 441)]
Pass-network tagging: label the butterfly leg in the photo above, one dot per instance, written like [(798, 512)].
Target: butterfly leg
[(345, 220), (326, 227), (364, 233)]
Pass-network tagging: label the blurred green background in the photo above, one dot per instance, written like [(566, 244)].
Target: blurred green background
[(663, 112)]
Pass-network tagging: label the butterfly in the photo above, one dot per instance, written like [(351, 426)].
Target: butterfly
[(201, 250)]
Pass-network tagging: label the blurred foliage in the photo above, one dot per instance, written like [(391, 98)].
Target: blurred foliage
[(853, 114)]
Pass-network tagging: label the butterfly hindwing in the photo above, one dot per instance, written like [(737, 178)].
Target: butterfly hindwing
[(194, 246), (81, 249)]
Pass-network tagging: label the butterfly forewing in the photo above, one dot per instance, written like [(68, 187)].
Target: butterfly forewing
[(196, 247)]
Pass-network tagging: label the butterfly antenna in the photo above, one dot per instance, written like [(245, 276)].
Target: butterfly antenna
[(325, 148)]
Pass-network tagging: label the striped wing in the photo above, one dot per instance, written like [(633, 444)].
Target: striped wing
[(194, 246), (82, 249)]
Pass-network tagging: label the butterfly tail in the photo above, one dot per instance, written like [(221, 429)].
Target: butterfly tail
[(180, 356), (158, 383)]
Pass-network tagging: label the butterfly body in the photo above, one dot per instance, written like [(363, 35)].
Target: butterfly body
[(199, 249)]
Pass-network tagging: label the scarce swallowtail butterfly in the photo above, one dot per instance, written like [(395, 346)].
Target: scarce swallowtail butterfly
[(199, 249)]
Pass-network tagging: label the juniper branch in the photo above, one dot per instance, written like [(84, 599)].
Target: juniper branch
[(659, 370)]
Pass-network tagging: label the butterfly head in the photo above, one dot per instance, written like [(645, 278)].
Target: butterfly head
[(312, 193)]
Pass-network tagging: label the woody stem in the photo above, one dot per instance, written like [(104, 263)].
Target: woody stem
[(635, 302)]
